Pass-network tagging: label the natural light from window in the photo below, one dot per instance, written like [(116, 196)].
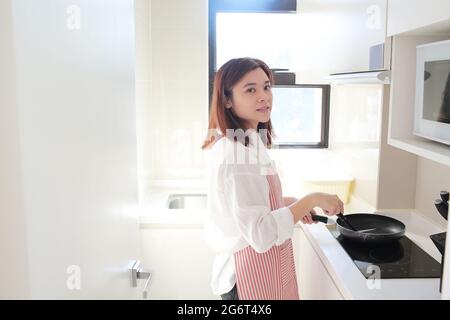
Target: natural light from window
[(297, 114), (268, 33)]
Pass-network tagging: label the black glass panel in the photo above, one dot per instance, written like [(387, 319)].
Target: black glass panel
[(399, 259)]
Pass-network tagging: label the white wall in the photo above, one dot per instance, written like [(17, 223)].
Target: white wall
[(176, 90), (355, 125), (68, 144), (143, 74), (396, 184), (13, 242)]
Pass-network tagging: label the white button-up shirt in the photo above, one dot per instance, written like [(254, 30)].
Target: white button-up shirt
[(239, 212)]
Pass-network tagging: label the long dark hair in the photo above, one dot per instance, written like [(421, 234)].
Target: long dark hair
[(221, 117)]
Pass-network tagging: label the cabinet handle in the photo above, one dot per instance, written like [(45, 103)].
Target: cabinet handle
[(138, 273)]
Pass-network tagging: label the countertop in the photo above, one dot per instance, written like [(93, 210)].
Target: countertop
[(350, 281)]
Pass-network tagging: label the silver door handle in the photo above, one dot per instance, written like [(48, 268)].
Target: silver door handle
[(146, 286), (138, 273)]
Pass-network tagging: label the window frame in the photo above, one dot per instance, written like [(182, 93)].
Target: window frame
[(323, 143)]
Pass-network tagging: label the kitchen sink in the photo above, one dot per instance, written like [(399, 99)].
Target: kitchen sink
[(187, 201)]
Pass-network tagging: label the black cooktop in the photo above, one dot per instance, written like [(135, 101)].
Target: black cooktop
[(400, 259)]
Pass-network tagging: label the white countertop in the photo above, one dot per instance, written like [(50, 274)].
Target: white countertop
[(350, 281)]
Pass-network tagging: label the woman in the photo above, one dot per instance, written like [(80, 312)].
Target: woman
[(249, 224)]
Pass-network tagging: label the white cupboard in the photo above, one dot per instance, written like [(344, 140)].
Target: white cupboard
[(180, 262), (405, 16), (314, 281), (335, 37)]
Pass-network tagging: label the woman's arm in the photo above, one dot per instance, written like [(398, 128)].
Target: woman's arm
[(306, 219), (301, 208), (289, 200)]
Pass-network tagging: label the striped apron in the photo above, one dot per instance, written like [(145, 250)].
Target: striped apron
[(269, 275)]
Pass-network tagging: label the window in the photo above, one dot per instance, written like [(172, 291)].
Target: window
[(232, 40), (299, 115), (301, 111)]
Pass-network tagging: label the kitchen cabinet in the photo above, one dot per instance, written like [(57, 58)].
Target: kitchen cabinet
[(180, 261), (407, 16), (335, 36), (314, 281)]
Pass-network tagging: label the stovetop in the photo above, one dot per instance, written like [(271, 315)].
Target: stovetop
[(400, 259)]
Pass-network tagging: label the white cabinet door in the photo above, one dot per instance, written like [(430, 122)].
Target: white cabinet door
[(335, 36), (180, 261), (314, 282), (408, 15), (69, 214)]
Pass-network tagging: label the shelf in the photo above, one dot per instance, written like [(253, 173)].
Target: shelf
[(424, 148), (402, 102), (363, 77)]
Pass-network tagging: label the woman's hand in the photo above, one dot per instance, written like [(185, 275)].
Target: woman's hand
[(307, 218), (329, 203)]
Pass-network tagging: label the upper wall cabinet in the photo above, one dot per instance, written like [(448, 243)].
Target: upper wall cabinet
[(335, 36), (360, 25), (417, 16)]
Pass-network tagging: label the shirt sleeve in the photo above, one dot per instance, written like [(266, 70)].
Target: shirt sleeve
[(248, 200)]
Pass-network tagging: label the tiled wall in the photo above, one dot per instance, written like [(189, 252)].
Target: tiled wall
[(173, 87), (355, 124)]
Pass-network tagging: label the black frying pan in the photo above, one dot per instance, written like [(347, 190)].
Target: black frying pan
[(369, 227)]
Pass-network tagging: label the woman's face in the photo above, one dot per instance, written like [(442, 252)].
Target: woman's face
[(252, 98)]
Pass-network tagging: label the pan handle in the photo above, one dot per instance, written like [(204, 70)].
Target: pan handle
[(319, 218)]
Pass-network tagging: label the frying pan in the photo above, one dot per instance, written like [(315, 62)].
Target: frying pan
[(369, 227)]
